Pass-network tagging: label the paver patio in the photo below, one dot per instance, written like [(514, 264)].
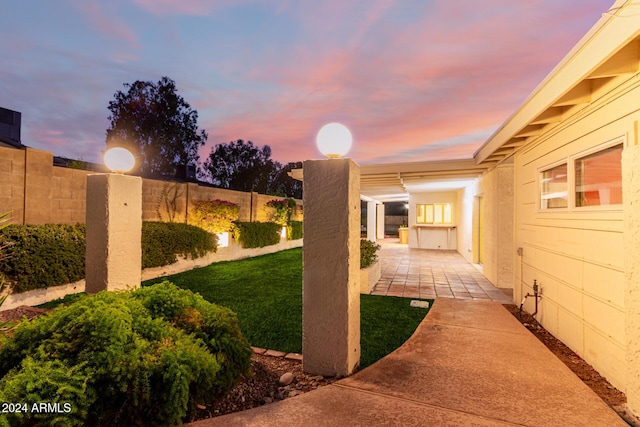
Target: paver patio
[(426, 273)]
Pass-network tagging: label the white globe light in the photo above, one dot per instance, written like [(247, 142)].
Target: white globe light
[(334, 140), (119, 159)]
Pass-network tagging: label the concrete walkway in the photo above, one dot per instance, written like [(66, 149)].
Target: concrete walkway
[(469, 363)]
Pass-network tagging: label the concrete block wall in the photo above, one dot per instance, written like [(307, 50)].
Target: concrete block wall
[(12, 164), (39, 193), (68, 194)]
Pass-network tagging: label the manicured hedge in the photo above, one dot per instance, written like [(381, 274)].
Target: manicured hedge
[(257, 234), (41, 256), (162, 242), (48, 255), (146, 357), (294, 230)]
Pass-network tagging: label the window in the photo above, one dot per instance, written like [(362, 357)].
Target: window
[(554, 191), (589, 180), (599, 178), (438, 213)]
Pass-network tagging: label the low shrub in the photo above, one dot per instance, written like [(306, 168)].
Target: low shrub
[(283, 209), (162, 242), (294, 230), (368, 252), (54, 254), (215, 216), (257, 234), (146, 357), (43, 255)]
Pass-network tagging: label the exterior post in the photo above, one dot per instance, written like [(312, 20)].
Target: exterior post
[(331, 266), (371, 221), (380, 220), (114, 229)]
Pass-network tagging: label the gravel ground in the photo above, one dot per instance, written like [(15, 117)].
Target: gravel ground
[(265, 387)]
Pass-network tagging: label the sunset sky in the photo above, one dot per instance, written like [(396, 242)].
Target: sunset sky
[(414, 80)]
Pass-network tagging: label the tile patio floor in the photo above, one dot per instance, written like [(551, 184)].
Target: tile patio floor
[(426, 273)]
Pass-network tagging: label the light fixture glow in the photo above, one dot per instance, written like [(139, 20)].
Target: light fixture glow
[(119, 160), (334, 140)]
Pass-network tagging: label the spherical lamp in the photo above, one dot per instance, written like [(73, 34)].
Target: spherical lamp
[(119, 160), (334, 140)]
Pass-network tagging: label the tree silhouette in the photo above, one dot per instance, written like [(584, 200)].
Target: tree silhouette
[(242, 166), (157, 125)]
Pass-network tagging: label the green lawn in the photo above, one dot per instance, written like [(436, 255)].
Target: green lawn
[(266, 293)]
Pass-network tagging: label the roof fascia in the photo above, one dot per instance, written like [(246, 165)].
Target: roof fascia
[(618, 26)]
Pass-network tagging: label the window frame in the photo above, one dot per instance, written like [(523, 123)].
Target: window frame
[(594, 150), (547, 168), (428, 211), (570, 161)]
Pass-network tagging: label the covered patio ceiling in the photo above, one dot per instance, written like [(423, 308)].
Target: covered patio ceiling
[(393, 182)]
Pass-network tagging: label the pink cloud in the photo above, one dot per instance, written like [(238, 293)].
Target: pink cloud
[(424, 83), (410, 83), (185, 7), (169, 7), (112, 27)]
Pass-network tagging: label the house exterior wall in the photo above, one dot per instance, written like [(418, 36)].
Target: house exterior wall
[(496, 189), (432, 238), (499, 250), (467, 222), (36, 192), (578, 256), (631, 200)]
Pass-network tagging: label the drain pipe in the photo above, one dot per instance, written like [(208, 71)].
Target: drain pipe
[(535, 294)]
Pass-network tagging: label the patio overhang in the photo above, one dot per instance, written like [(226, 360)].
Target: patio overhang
[(605, 57), (393, 182)]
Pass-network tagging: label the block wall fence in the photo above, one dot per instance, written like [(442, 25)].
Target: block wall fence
[(36, 192)]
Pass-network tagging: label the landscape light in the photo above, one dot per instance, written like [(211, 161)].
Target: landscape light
[(334, 140), (119, 160)]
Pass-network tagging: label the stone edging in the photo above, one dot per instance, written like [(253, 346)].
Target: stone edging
[(276, 353)]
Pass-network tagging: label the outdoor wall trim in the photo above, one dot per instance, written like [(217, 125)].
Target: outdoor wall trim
[(233, 252)]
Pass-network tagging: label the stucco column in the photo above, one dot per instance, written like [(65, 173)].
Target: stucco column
[(631, 207), (371, 221), (331, 267), (114, 230), (380, 221)]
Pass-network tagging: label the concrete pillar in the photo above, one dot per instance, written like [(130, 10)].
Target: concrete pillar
[(371, 221), (380, 221), (331, 266), (631, 207), (114, 230)]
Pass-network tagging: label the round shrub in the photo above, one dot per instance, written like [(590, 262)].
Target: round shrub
[(216, 326), (125, 363)]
